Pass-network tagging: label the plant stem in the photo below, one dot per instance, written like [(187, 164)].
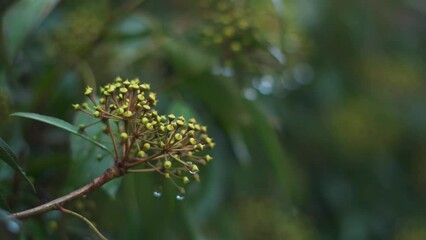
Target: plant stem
[(107, 176), (91, 225)]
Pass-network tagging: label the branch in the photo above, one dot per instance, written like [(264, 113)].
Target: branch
[(107, 176)]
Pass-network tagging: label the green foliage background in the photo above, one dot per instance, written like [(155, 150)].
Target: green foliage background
[(318, 109)]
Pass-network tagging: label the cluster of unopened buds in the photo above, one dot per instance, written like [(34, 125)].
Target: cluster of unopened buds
[(143, 140)]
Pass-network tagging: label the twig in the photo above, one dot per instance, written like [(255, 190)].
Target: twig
[(107, 176), (91, 225)]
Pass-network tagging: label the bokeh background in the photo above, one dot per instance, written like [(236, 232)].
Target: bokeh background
[(318, 109)]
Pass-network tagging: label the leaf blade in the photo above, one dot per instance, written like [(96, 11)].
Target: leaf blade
[(17, 28), (60, 124), (9, 157)]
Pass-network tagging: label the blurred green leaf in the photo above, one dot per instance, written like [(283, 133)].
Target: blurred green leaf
[(20, 20), (60, 124), (8, 156), (287, 173), (88, 161)]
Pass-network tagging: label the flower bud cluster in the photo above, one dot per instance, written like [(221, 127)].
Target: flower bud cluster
[(228, 27), (143, 139)]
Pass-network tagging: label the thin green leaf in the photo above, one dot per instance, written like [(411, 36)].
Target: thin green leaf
[(60, 124), (20, 20), (9, 157)]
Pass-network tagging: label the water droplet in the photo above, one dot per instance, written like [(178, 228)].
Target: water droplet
[(192, 172), (180, 197), (157, 194), (13, 226)]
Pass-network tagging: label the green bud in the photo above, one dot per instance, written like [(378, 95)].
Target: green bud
[(167, 175), (85, 106), (208, 158), (128, 113), (167, 164), (124, 136), (111, 88), (141, 97), (195, 168), (101, 100), (192, 141), (178, 136), (149, 126), (171, 117), (120, 111), (144, 120), (170, 127), (141, 154), (123, 90), (76, 106), (146, 107), (146, 146), (185, 180), (96, 113), (179, 122)]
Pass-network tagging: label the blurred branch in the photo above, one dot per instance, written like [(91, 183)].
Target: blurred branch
[(107, 176)]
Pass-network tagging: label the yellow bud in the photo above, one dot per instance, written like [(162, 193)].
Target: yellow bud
[(88, 91), (195, 168)]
